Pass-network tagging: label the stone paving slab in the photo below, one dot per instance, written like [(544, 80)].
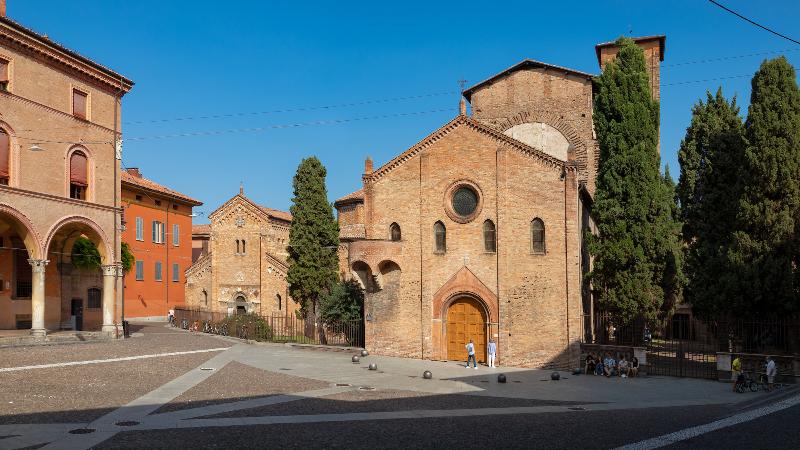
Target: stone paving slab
[(83, 393), (237, 381), (155, 338)]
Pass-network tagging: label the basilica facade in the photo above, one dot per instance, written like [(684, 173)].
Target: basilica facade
[(476, 232)]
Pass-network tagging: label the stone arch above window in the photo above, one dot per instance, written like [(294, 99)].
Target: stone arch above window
[(394, 231), (538, 237), (440, 237), (78, 174), (489, 236), (279, 301)]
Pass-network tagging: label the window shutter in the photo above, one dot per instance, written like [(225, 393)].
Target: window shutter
[(175, 272), (163, 232), (5, 153), (176, 229), (79, 104), (139, 231), (77, 169), (155, 227)]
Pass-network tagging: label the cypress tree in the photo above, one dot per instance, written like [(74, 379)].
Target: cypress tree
[(313, 238), (637, 262), (711, 157), (766, 253)]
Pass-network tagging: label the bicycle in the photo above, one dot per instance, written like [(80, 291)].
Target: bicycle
[(745, 382)]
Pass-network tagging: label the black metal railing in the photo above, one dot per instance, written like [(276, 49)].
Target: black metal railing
[(280, 329), (24, 289)]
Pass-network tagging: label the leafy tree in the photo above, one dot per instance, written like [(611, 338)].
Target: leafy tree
[(85, 254), (344, 303), (765, 257), (637, 257), (711, 157), (127, 257), (313, 238)]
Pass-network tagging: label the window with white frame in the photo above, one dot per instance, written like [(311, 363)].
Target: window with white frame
[(158, 232), (158, 271), (139, 270), (176, 230), (139, 229), (175, 272)]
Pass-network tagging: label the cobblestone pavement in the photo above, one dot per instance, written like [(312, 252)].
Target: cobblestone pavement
[(169, 388)]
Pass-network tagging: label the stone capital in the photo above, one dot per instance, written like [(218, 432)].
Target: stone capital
[(38, 265), (109, 270)]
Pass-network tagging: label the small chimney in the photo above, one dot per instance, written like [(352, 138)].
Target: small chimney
[(131, 170), (2, 8), (368, 165)]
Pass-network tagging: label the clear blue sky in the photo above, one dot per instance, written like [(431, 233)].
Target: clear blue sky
[(200, 58)]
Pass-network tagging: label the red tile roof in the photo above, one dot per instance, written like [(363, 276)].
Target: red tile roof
[(276, 213), (151, 186), (201, 229), (351, 197)]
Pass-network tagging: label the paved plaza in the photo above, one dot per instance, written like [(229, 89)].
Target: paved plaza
[(166, 388)]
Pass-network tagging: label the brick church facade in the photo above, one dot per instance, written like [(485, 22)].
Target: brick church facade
[(240, 261), (476, 231)]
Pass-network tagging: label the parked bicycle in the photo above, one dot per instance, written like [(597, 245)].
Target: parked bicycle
[(745, 382)]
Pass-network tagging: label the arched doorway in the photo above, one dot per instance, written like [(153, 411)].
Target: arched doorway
[(466, 319), (241, 305)]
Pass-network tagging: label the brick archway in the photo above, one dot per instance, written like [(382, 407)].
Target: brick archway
[(464, 284), (25, 228)]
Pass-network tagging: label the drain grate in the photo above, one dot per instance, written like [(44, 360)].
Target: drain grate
[(577, 408), (82, 431), (206, 368), (127, 423), (343, 384), (366, 388)]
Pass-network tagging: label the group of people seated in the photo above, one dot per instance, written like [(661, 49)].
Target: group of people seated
[(610, 367)]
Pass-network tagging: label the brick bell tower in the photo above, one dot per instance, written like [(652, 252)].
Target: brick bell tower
[(653, 47)]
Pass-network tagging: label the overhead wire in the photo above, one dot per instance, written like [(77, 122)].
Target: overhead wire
[(754, 22)]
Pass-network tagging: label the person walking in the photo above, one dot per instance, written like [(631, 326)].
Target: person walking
[(772, 370), (491, 349), (736, 371), (471, 355)]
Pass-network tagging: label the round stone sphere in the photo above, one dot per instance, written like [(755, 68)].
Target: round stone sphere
[(501, 378), (364, 353), (356, 358), (555, 376), (373, 366), (577, 371), (427, 375)]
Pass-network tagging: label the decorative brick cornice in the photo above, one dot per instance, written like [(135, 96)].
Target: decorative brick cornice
[(458, 121), (16, 35), (56, 198)]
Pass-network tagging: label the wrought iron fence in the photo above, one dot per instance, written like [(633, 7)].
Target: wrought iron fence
[(685, 345), (281, 329)]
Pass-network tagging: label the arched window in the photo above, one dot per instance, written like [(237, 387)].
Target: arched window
[(78, 180), (440, 235), (489, 236), (243, 247), (237, 246), (537, 236), (394, 230), (5, 157), (278, 299), (205, 297)]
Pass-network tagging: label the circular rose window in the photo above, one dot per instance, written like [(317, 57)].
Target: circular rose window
[(465, 200)]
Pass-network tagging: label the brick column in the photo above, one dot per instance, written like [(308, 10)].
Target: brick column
[(109, 282), (37, 297)]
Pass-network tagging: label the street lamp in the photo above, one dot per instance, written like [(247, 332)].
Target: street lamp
[(36, 148)]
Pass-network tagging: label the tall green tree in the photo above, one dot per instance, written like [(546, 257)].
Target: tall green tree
[(313, 238), (637, 257), (711, 157), (766, 253)]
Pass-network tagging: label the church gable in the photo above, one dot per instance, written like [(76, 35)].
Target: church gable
[(238, 211), (466, 127)]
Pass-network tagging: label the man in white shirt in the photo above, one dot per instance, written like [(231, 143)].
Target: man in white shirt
[(471, 355), (772, 370)]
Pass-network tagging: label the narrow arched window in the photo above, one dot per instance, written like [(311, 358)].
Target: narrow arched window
[(537, 236), (78, 180), (489, 236), (205, 297), (5, 157), (394, 230), (243, 247), (237, 246), (278, 299), (440, 237)]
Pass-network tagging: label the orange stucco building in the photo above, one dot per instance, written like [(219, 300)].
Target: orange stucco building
[(158, 230)]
